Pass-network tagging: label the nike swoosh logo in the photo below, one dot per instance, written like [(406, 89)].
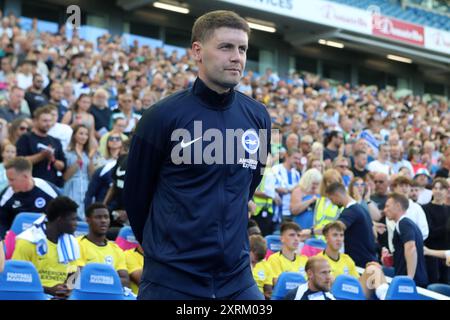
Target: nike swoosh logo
[(184, 145), (120, 172)]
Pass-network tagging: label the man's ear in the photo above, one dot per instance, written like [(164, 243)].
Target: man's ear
[(197, 51)]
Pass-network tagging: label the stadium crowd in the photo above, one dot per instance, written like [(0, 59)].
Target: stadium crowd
[(68, 108)]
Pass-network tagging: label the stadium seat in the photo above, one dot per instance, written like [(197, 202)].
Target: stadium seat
[(389, 271), (20, 281), (346, 287), (440, 288), (21, 222), (126, 239), (313, 246), (402, 288), (82, 229), (98, 282), (273, 244), (286, 281)]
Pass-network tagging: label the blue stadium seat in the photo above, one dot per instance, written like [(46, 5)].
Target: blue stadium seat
[(82, 229), (440, 288), (389, 271), (316, 243), (286, 281), (402, 288), (20, 281), (126, 239), (273, 243), (346, 287), (98, 282), (21, 222), (313, 246)]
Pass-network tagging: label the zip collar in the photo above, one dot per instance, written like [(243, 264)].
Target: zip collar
[(211, 98)]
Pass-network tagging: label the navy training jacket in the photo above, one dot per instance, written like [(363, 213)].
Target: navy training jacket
[(190, 216)]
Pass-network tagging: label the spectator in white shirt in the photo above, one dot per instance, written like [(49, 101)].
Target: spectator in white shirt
[(397, 162), (382, 164), (423, 179), (60, 131), (415, 212)]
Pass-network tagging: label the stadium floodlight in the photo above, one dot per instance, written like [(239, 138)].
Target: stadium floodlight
[(331, 43), (170, 7), (261, 25), (398, 58)]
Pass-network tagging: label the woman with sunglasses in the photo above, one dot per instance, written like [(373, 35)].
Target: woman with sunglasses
[(360, 191), (18, 127), (114, 144), (80, 166)]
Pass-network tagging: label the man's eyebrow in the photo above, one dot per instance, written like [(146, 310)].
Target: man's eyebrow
[(226, 43)]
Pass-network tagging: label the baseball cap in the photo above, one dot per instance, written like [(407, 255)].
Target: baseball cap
[(424, 172)]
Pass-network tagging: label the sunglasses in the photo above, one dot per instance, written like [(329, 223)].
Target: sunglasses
[(360, 184), (378, 181), (23, 128), (114, 139)]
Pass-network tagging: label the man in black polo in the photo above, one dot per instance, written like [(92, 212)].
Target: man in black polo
[(44, 151), (408, 241), (34, 95), (359, 237)]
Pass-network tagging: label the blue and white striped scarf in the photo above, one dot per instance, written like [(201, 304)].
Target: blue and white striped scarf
[(67, 247)]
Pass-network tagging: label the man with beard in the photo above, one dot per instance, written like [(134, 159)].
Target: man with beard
[(319, 282), (44, 152)]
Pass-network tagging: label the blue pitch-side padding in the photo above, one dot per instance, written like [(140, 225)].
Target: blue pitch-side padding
[(82, 229), (286, 282), (20, 281), (402, 288), (346, 287), (440, 288), (273, 243), (98, 282)]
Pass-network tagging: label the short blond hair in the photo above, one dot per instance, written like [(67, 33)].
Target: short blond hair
[(309, 177)]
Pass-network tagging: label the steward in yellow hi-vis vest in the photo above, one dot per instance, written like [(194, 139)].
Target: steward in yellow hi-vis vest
[(325, 211)]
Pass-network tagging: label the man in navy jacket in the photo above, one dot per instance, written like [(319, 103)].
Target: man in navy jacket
[(195, 161)]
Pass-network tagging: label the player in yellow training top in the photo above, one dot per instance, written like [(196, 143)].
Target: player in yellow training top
[(262, 273), (43, 253), (340, 263), (287, 260), (94, 247), (135, 265)]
